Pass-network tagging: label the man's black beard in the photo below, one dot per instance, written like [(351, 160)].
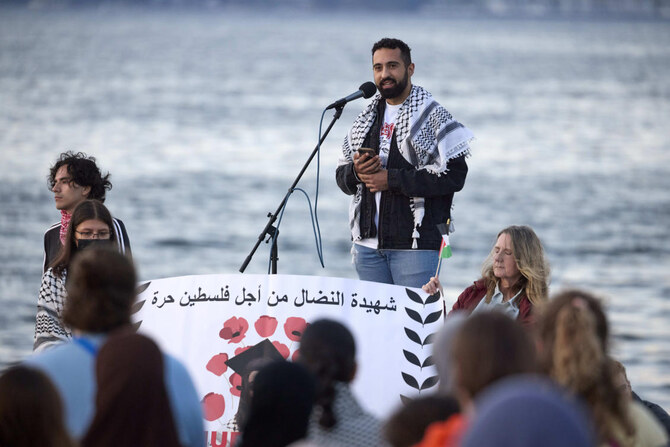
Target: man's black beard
[(396, 90)]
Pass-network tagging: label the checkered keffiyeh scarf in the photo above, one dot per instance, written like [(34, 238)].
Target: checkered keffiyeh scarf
[(428, 137)]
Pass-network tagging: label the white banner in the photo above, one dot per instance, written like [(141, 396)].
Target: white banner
[(207, 321)]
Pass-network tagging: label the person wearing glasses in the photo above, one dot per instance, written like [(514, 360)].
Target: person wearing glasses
[(75, 177), (90, 224)]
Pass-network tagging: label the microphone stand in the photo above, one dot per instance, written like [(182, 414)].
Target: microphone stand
[(270, 229)]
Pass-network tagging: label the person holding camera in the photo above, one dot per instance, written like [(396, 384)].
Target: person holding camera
[(402, 160)]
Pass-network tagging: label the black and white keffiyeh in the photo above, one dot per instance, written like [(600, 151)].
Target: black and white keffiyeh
[(427, 136), (49, 327)]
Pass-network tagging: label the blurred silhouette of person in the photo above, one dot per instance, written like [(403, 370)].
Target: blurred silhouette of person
[(100, 292), (75, 177), (131, 404), (407, 425), (442, 347), (623, 385), (328, 349), (283, 396), (31, 411), (528, 411), (487, 347), (573, 335)]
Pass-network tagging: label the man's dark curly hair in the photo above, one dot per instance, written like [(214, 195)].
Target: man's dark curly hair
[(392, 44), (84, 172)]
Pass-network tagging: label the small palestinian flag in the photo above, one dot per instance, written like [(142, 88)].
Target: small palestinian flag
[(445, 248)]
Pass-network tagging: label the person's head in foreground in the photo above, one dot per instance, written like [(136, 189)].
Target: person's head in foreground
[(573, 336), (31, 411), (280, 407), (101, 290), (131, 405), (489, 346), (407, 425), (528, 411), (328, 350)]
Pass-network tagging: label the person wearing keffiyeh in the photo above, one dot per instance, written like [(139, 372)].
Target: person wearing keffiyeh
[(407, 188)]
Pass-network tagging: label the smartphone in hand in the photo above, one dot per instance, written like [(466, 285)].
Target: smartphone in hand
[(366, 150)]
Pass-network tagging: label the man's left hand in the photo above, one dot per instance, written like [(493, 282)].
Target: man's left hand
[(376, 182)]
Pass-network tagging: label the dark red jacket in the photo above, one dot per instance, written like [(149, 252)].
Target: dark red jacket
[(471, 296)]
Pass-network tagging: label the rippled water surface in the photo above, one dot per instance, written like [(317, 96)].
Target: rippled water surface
[(205, 118)]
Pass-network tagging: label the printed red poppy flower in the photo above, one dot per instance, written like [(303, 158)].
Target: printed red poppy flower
[(241, 349), (295, 356), (266, 325), (294, 327), (217, 364), (236, 382), (282, 348), (234, 330), (213, 406)]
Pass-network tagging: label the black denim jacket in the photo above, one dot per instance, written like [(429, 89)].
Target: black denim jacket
[(396, 221)]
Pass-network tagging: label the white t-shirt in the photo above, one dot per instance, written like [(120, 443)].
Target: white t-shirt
[(385, 137)]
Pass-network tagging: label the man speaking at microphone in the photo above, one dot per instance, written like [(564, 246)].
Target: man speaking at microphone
[(406, 186)]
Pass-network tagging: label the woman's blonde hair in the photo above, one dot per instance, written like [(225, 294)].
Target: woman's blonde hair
[(573, 333), (530, 260)]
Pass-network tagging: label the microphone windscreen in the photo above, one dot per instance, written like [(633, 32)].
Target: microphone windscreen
[(368, 88)]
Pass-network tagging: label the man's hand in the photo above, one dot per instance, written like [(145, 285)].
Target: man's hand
[(379, 181), (363, 164)]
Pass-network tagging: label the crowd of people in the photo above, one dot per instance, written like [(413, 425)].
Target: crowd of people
[(541, 376), (516, 367), (502, 382)]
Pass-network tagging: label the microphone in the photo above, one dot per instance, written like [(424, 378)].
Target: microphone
[(366, 90)]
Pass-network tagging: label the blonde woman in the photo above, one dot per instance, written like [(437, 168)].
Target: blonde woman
[(515, 277)]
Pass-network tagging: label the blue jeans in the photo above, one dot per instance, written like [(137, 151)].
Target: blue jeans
[(410, 268)]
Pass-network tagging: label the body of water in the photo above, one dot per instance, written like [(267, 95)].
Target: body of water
[(205, 118)]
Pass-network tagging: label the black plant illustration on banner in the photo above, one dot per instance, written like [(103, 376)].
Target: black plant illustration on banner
[(415, 357)]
